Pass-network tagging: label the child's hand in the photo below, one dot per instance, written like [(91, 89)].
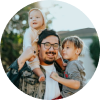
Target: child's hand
[(54, 76), (31, 59)]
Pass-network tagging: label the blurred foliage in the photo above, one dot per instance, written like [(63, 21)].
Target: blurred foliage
[(16, 22), (95, 50), (12, 38), (11, 45)]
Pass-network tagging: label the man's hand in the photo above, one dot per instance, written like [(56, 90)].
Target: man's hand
[(54, 76)]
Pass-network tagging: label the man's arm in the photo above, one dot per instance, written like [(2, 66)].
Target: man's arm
[(25, 56), (19, 65), (21, 61)]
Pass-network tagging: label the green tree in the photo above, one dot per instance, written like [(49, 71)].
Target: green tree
[(19, 22), (11, 46), (95, 50)]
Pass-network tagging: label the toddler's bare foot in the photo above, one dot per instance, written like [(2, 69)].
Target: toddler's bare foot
[(41, 78)]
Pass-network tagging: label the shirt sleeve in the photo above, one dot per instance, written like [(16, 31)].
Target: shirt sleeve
[(74, 72), (14, 75), (27, 40)]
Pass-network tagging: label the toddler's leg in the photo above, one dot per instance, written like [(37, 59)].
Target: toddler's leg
[(35, 67), (39, 73), (60, 63)]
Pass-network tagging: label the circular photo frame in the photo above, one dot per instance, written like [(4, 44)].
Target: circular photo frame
[(50, 50)]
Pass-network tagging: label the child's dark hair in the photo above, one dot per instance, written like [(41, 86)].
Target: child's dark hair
[(78, 43)]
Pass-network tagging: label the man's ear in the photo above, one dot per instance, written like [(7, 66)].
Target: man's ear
[(78, 51)]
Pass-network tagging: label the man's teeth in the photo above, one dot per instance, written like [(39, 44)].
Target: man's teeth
[(50, 54)]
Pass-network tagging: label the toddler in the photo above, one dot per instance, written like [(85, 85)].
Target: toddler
[(37, 24), (74, 75)]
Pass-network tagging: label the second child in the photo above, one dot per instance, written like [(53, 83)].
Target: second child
[(74, 75)]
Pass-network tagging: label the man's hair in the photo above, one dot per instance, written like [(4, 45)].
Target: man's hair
[(78, 43), (47, 33)]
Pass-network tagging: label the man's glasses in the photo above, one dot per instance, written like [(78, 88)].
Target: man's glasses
[(47, 45)]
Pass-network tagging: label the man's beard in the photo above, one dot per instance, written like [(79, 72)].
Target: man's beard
[(47, 61)]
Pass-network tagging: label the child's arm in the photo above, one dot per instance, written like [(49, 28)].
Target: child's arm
[(74, 84)]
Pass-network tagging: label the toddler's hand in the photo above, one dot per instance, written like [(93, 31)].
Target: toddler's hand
[(54, 76), (31, 59)]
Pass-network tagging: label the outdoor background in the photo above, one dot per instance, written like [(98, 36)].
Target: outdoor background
[(63, 18)]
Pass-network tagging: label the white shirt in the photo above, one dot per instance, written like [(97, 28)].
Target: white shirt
[(52, 88)]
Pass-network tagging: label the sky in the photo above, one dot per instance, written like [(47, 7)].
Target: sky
[(67, 17)]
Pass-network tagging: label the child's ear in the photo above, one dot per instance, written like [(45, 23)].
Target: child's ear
[(78, 51)]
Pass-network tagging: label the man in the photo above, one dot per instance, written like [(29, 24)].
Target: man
[(21, 75)]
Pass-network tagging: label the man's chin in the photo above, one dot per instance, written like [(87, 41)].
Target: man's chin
[(48, 62)]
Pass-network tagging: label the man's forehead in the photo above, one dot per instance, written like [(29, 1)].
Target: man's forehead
[(51, 39)]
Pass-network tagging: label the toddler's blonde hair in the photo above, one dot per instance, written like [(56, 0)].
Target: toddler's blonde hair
[(78, 43), (43, 15)]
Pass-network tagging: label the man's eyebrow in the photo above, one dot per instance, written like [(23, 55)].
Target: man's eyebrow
[(50, 43)]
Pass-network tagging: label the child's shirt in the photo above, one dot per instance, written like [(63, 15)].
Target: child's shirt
[(75, 71), (31, 35), (31, 38)]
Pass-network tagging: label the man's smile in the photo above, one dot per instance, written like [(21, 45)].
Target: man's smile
[(50, 54)]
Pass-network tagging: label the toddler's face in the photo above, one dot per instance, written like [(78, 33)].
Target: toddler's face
[(68, 51), (35, 19)]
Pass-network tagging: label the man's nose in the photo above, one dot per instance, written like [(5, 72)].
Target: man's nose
[(51, 48)]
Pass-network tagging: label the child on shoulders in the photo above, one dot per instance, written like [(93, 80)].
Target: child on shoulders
[(37, 24)]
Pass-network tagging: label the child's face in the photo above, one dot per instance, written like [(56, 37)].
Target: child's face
[(35, 19), (69, 51)]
